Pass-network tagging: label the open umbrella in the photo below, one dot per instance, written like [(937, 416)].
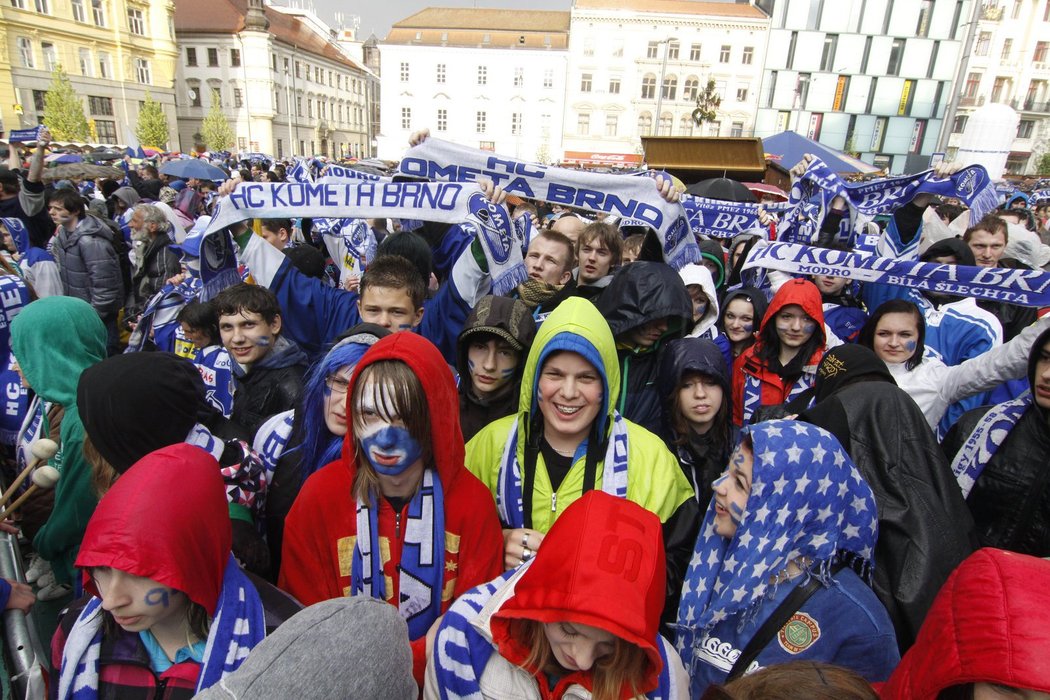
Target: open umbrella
[(760, 189), (60, 158), (186, 169), (86, 171), (721, 188), (103, 154)]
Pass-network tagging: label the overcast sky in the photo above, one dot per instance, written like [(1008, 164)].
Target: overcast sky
[(378, 16)]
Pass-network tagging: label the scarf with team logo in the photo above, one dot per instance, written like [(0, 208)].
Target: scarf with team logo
[(986, 439)]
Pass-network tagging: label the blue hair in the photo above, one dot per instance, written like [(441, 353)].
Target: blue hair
[(318, 445)]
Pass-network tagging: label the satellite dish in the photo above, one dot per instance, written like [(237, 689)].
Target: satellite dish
[(192, 94)]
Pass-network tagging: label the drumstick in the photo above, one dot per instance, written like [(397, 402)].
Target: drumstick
[(43, 450), (44, 477)]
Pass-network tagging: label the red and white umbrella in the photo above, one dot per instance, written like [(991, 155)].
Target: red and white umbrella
[(761, 188)]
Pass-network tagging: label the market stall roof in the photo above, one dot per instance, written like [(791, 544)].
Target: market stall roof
[(787, 148), (701, 157)]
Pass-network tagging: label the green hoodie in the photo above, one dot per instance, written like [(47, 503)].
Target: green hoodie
[(54, 340), (655, 480)]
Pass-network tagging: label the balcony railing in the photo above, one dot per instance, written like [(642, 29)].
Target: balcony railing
[(966, 101), (992, 12), (1030, 106)]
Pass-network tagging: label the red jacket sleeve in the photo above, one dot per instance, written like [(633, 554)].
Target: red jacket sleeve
[(310, 566), (738, 389), (481, 538)]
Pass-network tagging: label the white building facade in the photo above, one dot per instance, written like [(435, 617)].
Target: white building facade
[(1009, 63), (493, 79), (866, 76), (284, 83), (636, 66)]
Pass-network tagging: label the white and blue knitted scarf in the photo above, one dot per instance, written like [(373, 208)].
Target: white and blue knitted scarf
[(986, 439)]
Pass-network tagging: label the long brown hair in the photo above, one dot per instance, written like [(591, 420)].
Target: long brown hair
[(625, 667), (393, 385), (103, 475)]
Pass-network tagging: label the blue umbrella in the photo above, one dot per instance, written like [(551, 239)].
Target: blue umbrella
[(193, 168)]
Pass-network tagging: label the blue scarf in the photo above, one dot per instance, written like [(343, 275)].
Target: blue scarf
[(422, 565), (160, 315), (753, 391), (807, 500), (508, 481), (239, 625), (714, 218), (987, 437)]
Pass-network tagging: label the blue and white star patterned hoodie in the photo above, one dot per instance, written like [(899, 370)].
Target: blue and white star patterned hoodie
[(807, 501)]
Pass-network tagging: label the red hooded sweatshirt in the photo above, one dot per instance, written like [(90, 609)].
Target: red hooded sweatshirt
[(321, 528), (749, 369), (989, 623), (613, 580)]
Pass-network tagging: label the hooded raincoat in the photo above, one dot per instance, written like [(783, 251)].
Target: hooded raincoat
[(570, 580), (55, 340), (321, 529), (653, 478)]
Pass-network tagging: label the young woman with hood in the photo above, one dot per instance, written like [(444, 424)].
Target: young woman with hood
[(791, 513), (701, 289), (490, 359), (986, 636), (170, 612), (397, 517), (547, 630), (741, 312), (783, 362), (698, 426), (568, 438)]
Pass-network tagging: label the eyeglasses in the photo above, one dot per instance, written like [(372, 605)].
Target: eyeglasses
[(337, 384)]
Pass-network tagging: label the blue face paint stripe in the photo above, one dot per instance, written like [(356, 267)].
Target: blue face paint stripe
[(157, 596)]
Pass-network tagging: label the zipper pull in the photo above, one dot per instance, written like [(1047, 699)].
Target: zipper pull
[(554, 502)]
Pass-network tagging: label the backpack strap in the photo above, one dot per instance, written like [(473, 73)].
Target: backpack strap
[(790, 605)]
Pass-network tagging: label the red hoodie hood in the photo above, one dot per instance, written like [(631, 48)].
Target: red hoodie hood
[(990, 622), (166, 519), (439, 387), (803, 293), (613, 579)]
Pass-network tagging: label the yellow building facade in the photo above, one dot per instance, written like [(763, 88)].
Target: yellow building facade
[(114, 52)]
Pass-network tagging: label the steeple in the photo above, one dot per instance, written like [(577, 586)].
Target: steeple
[(255, 17)]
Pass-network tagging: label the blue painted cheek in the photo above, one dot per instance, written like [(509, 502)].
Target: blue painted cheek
[(719, 481), (263, 341), (404, 327), (506, 373), (748, 328), (808, 327), (157, 596), (470, 366), (736, 513), (911, 345), (397, 450)]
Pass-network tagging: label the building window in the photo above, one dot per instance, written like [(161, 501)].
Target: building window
[(515, 123), (86, 64), (1024, 128), (404, 71), (50, 55), (42, 7), (714, 128), (299, 108), (440, 77), (309, 109), (213, 58), (925, 10), (519, 77), (983, 40), (685, 125), (736, 129), (25, 50), (585, 82), (79, 15), (670, 88), (827, 57), (694, 52), (105, 67), (481, 121), (106, 130), (614, 86), (136, 23), (748, 55), (893, 66), (39, 100), (617, 51), (100, 105), (235, 57), (973, 82), (1040, 48), (690, 89), (741, 93), (649, 87), (652, 50), (98, 13), (238, 98), (548, 78), (216, 96), (998, 88), (1016, 13), (723, 54), (583, 124), (588, 47), (297, 74), (273, 62), (665, 124), (194, 94), (142, 71), (611, 124), (959, 125), (406, 117), (442, 120), (18, 4), (191, 56), (1008, 45), (483, 75), (672, 50), (545, 126), (645, 124)]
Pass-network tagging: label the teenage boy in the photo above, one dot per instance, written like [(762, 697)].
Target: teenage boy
[(268, 368)]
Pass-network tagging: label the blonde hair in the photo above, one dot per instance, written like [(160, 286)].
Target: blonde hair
[(624, 668)]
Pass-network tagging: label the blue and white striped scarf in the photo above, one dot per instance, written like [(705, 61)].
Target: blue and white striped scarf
[(986, 439), (753, 390), (239, 625), (508, 485), (422, 565)]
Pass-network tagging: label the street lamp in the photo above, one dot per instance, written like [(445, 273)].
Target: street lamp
[(660, 85)]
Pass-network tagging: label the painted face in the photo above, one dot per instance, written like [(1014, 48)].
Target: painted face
[(577, 646), (60, 216), (647, 335), (987, 247), (700, 301), (997, 691), (138, 603), (896, 337), (8, 239), (390, 308), (570, 397), (830, 286), (197, 336), (491, 361), (794, 326), (713, 268), (546, 261), (384, 439), (335, 387), (731, 491), (595, 261), (739, 320), (699, 399), (247, 336), (1041, 390)]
